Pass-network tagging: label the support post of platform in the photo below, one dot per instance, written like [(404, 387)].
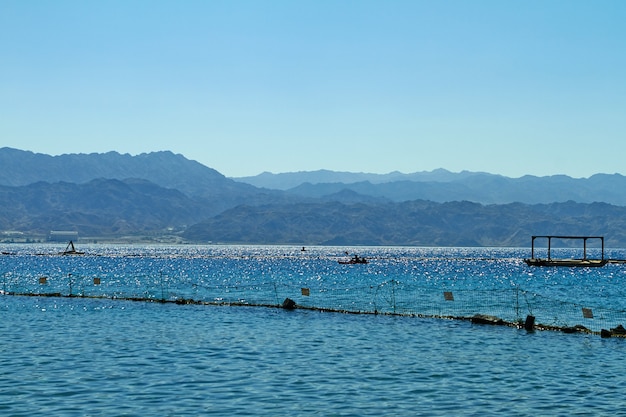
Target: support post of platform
[(584, 249), (602, 240), (549, 244)]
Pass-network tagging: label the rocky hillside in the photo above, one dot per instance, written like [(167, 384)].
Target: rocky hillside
[(157, 194)]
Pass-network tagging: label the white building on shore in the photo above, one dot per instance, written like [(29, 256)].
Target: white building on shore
[(62, 236)]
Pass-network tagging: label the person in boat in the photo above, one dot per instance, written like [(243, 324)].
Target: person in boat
[(356, 259)]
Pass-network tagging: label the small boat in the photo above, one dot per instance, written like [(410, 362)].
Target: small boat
[(71, 250), (356, 259)]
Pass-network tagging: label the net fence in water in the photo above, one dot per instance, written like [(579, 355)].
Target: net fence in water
[(512, 307)]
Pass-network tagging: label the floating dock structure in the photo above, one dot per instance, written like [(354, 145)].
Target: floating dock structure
[(532, 261)]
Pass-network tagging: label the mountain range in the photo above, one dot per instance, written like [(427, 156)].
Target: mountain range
[(442, 186), (162, 195)]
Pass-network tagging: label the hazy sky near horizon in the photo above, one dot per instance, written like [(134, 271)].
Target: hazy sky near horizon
[(507, 87)]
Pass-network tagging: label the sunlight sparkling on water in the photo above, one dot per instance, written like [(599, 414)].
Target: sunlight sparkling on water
[(82, 356)]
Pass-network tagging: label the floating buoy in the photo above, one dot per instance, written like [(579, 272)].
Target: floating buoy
[(289, 304), (618, 330)]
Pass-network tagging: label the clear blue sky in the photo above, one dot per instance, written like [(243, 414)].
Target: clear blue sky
[(506, 87)]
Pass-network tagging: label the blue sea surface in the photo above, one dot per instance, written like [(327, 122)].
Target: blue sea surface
[(82, 356)]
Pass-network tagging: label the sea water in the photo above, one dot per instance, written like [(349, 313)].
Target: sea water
[(83, 356)]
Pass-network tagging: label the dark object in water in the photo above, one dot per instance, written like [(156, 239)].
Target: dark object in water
[(575, 329), (289, 304), (71, 250), (356, 259), (486, 319), (618, 330), (529, 324)]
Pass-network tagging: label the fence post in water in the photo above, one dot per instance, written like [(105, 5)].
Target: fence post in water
[(529, 324), (70, 278), (161, 283)]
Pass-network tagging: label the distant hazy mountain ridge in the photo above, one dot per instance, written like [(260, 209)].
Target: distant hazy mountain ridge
[(100, 207), (163, 168), (163, 194), (441, 186), (168, 170), (287, 180)]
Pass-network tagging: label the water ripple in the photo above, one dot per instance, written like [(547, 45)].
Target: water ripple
[(101, 357)]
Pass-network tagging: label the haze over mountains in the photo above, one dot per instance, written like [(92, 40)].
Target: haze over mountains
[(441, 185), (161, 195)]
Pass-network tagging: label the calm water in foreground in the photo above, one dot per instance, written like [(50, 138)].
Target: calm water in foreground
[(102, 357)]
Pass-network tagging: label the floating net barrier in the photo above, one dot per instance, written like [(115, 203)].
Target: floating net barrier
[(510, 307)]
